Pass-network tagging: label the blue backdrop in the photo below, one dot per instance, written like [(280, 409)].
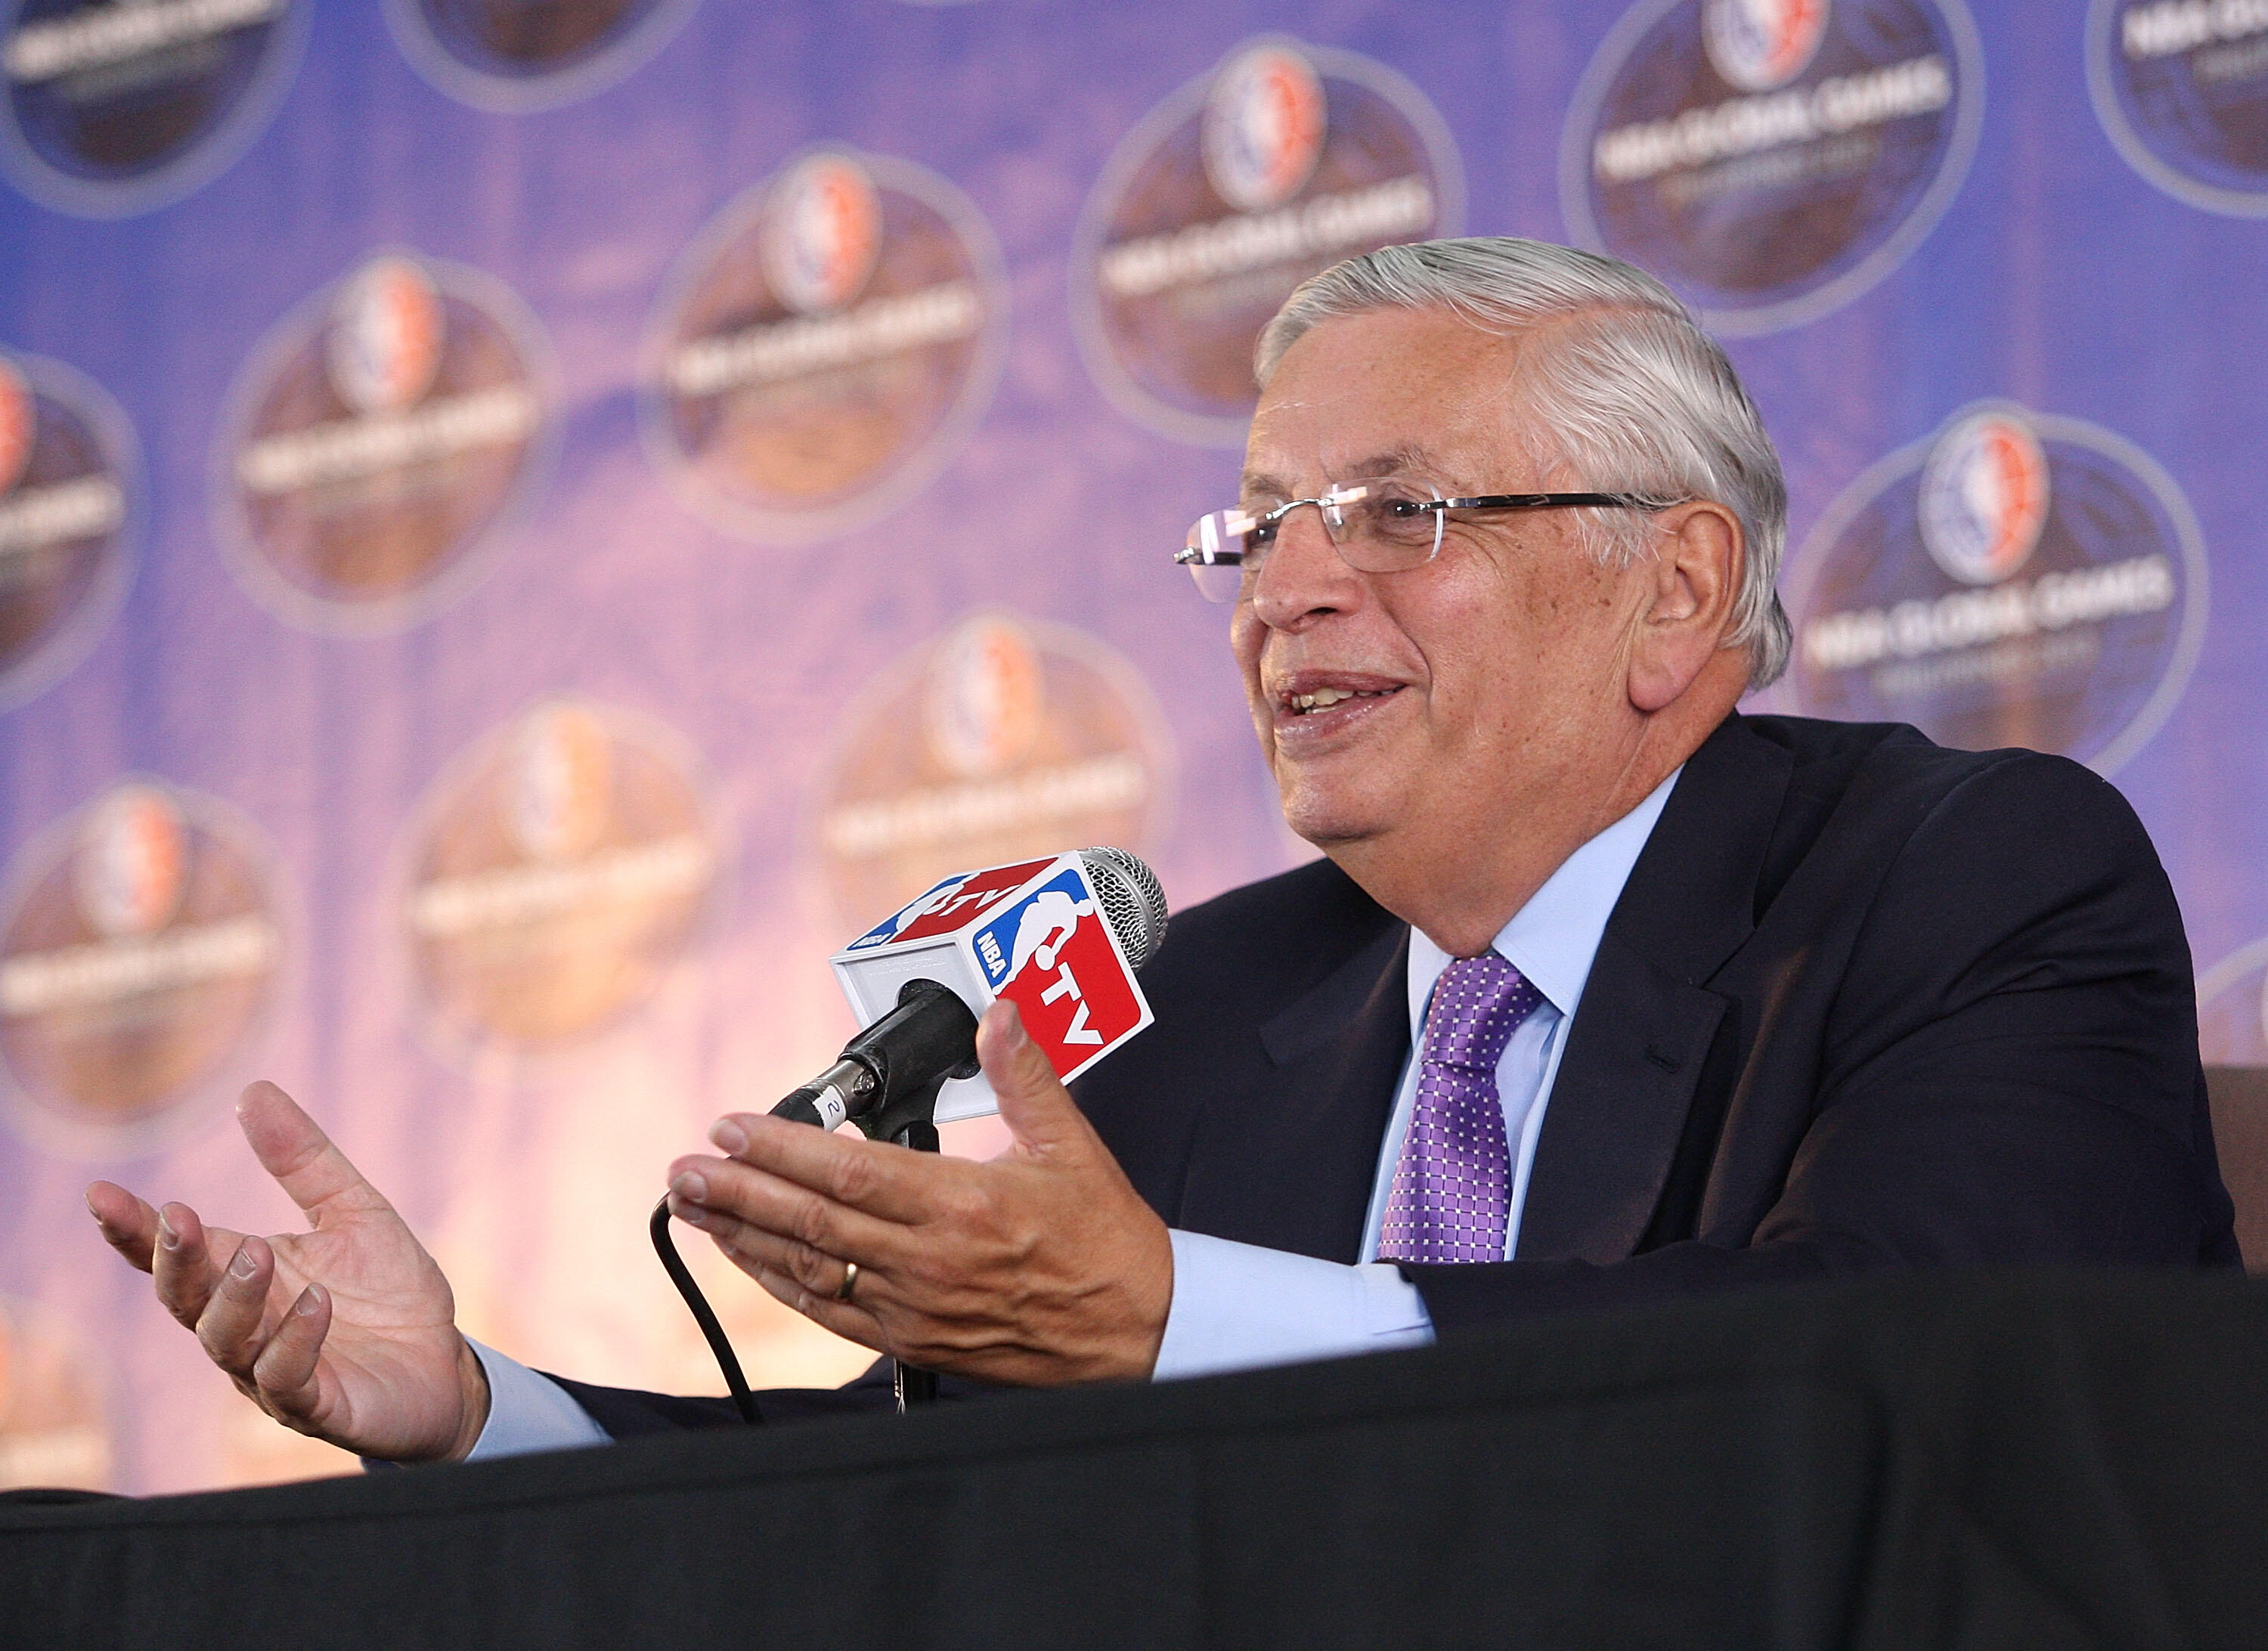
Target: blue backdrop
[(525, 524)]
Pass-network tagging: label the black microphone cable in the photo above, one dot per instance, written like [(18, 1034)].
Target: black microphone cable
[(680, 1275)]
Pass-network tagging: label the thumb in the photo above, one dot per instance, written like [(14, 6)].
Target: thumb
[(1034, 1104)]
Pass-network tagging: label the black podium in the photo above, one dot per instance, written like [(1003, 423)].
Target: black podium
[(1960, 1461)]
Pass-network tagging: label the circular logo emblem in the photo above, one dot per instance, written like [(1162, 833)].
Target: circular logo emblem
[(560, 870), (70, 492), (824, 346), (1237, 187), (140, 949), (512, 56), (2182, 88), (822, 233), (384, 441), (1771, 159), (1263, 127), (117, 106), (53, 1426), (1984, 497), (1003, 739), (2017, 580), (1760, 45)]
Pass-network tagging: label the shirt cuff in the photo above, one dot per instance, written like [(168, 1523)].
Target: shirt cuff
[(527, 1413), (1237, 1307)]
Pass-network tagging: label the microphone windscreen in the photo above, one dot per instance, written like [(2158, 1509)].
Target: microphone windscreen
[(1133, 903)]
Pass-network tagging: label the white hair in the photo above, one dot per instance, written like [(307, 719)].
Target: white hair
[(1628, 391)]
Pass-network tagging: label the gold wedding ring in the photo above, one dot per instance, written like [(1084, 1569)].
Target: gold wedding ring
[(850, 1281)]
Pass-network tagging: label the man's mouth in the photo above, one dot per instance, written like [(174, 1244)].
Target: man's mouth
[(1324, 699)]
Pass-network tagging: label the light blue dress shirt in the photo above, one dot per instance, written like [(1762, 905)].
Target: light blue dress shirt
[(1237, 1306)]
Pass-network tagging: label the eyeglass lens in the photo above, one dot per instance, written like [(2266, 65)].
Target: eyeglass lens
[(1379, 527)]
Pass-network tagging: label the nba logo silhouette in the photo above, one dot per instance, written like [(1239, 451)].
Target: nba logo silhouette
[(385, 337), (1984, 497), (1756, 45), (1053, 955), (16, 422), (132, 866), (1263, 127), (822, 233), (560, 801)]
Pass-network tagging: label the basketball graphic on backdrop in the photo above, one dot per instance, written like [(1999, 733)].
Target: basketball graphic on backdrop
[(824, 346), (1285, 159), (382, 444), (1003, 739), (118, 106), (69, 486), (558, 872), (2017, 578), (520, 55), (2180, 86), (1772, 159), (140, 949)]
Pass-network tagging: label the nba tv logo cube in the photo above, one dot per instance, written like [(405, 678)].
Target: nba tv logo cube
[(1033, 932)]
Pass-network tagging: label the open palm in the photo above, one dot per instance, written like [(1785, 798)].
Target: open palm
[(347, 1331)]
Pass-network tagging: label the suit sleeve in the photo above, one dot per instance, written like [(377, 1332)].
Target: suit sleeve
[(2009, 1074)]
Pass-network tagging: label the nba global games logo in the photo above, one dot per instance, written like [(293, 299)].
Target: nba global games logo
[(139, 950), (512, 54), (2182, 87), (382, 443), (117, 106), (1003, 739), (559, 872), (69, 479), (824, 346), (1771, 159), (1238, 186), (2016, 579)]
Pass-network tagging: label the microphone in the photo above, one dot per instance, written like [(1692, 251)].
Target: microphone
[(1061, 938)]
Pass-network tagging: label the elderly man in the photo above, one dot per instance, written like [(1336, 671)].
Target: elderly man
[(1602, 992)]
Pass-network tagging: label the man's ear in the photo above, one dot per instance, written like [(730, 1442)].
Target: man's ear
[(1692, 586)]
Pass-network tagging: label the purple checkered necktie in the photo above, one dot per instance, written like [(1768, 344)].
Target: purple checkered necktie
[(1452, 1194)]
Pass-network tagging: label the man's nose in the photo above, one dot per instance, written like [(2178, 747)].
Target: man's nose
[(1303, 573)]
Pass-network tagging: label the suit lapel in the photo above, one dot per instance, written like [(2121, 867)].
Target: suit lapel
[(1642, 1031), (1289, 1163)]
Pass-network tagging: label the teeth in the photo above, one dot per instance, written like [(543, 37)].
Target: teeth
[(1322, 698)]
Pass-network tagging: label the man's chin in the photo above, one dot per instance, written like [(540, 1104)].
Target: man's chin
[(1332, 822)]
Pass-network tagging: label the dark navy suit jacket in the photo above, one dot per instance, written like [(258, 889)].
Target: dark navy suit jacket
[(1864, 1003)]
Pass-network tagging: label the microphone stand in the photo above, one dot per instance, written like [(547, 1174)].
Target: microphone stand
[(887, 1081), (911, 1121)]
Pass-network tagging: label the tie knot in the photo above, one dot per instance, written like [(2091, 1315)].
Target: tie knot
[(1478, 1003)]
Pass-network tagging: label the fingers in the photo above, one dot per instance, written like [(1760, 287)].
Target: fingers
[(1033, 1103), (184, 1265), (129, 1224), (230, 1329), (284, 1370), (291, 1148), (847, 1169), (736, 1205), (846, 1319), (754, 1250)]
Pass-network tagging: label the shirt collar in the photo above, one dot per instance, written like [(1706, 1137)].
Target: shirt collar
[(1553, 938)]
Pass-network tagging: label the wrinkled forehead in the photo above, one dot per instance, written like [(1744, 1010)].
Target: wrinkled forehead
[(1390, 392)]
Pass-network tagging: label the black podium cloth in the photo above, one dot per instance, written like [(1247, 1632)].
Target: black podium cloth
[(1961, 1461)]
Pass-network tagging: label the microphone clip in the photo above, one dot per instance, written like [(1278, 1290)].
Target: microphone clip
[(887, 1079)]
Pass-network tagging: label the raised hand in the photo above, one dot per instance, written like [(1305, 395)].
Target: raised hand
[(1043, 1266), (347, 1333)]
